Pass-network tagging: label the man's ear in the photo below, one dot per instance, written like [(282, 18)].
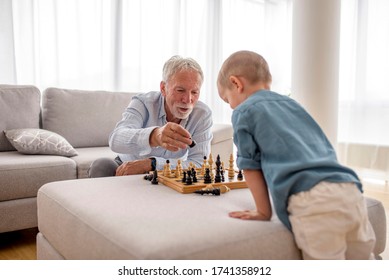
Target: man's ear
[(162, 87), (236, 83)]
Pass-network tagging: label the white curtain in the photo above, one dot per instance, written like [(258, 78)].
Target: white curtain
[(364, 86), (121, 45)]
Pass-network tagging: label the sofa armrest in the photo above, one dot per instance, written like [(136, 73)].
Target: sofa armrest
[(222, 143)]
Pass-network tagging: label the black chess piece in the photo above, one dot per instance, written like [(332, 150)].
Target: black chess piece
[(154, 181), (240, 175), (213, 191), (189, 178), (207, 177), (183, 177), (194, 175), (148, 177)]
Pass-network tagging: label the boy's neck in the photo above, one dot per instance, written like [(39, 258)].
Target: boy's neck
[(250, 89)]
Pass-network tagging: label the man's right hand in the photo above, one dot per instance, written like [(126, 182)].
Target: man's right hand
[(171, 136)]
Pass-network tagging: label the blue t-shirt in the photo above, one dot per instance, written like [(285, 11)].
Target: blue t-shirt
[(274, 133)]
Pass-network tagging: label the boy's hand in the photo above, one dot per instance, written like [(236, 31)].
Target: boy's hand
[(248, 215)]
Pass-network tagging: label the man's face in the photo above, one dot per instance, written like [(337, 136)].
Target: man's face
[(181, 93)]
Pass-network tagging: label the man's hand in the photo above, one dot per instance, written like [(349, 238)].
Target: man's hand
[(134, 167), (171, 136)]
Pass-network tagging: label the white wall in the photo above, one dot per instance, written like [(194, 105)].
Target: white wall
[(315, 60)]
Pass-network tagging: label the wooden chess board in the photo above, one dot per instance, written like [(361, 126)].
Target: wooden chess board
[(178, 185)]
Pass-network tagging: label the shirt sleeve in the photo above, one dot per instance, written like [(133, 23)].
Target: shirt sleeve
[(248, 151), (129, 136)]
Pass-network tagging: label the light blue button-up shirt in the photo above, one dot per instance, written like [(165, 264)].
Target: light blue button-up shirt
[(275, 134), (130, 138)]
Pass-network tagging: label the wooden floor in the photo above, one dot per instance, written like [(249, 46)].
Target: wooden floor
[(20, 245)]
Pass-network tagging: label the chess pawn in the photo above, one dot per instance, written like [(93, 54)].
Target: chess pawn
[(231, 171), (210, 161), (179, 164), (177, 172), (167, 170)]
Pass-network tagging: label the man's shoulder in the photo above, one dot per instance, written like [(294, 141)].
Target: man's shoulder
[(146, 96)]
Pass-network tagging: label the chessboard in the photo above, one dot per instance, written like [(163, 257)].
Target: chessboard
[(209, 175)]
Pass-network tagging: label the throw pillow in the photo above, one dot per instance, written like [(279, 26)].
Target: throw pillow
[(39, 141)]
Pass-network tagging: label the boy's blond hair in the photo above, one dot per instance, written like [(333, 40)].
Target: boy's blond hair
[(247, 64)]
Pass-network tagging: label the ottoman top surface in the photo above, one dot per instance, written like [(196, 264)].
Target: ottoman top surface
[(128, 217)]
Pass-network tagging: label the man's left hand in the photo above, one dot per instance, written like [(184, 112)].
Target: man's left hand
[(140, 166)]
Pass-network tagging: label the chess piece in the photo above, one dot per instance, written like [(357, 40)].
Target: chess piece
[(192, 144), (223, 188), (194, 175), (179, 164), (207, 177), (203, 166), (183, 177), (177, 173), (148, 177), (188, 178), (214, 191), (167, 170), (240, 175), (154, 181), (210, 161), (231, 171), (218, 177)]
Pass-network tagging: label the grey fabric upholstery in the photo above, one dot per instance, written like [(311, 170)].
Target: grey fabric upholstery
[(22, 175), (19, 108), (84, 118), (129, 218)]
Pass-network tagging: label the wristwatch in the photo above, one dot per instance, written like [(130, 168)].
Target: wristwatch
[(153, 164)]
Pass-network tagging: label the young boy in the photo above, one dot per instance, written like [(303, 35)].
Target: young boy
[(283, 151)]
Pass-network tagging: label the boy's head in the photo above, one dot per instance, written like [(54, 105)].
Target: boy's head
[(242, 74)]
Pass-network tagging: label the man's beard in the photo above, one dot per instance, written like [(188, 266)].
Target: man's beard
[(179, 114)]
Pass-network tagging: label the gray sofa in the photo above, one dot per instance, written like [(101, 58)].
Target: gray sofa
[(78, 122)]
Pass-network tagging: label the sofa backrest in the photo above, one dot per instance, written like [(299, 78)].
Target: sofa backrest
[(84, 118), (19, 108)]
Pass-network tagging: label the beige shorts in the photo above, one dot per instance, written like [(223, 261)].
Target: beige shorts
[(330, 222)]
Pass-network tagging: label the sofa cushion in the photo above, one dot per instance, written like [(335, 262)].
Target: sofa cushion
[(84, 118), (39, 141), (19, 108), (22, 175)]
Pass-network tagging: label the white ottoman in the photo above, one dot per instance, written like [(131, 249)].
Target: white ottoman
[(129, 218)]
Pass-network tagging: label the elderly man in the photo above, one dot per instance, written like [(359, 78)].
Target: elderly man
[(157, 126)]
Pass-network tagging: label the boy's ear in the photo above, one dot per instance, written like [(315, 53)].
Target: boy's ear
[(236, 83)]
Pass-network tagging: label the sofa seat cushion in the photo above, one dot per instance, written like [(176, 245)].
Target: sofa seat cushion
[(22, 175), (128, 218), (19, 108), (87, 155)]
